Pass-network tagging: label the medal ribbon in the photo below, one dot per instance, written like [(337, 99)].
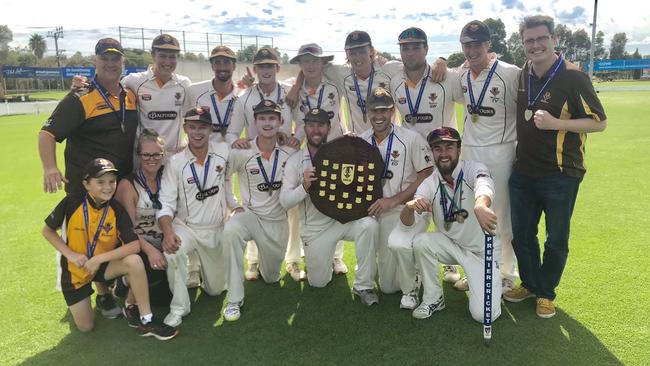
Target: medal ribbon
[(103, 93), (153, 197), (320, 97), (388, 151), (414, 110), (90, 247), (223, 123), (473, 105), (448, 209), (277, 100), (532, 102), (269, 183), (206, 169), (360, 101)]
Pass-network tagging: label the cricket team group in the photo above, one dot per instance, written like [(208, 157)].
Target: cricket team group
[(150, 162)]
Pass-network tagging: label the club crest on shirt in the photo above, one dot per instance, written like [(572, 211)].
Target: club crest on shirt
[(394, 154), (331, 96), (495, 94), (218, 169), (464, 89), (427, 158), (178, 95), (382, 85), (546, 98), (48, 122), (432, 100), (107, 227)]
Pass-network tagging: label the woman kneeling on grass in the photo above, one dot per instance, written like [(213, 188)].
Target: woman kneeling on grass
[(98, 243), (138, 193)]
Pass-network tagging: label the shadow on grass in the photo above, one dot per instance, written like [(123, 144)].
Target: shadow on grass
[(292, 323)]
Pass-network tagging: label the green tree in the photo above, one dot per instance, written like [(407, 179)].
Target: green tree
[(636, 74), (516, 49), (617, 47), (387, 55), (455, 59), (134, 57), (79, 60), (581, 45), (599, 46), (37, 45), (498, 39), (285, 59), (189, 56), (246, 55), (565, 41), (6, 36)]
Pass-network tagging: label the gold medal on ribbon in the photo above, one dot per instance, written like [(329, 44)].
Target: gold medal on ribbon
[(528, 114), (474, 117)]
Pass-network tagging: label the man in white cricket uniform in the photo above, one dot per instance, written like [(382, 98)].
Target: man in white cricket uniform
[(489, 134), (219, 96), (423, 105), (458, 194), (194, 208), (262, 218), (407, 163), (316, 91), (319, 232), (161, 93)]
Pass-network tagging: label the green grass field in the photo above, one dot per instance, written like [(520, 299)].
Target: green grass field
[(603, 302)]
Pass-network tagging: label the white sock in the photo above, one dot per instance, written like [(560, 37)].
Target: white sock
[(146, 318)]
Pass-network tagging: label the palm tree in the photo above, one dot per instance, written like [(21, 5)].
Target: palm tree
[(37, 45)]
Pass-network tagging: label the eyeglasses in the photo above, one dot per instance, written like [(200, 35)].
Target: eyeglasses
[(155, 156), (539, 40)]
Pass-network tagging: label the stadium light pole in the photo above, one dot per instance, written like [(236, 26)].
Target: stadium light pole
[(56, 34), (593, 40)]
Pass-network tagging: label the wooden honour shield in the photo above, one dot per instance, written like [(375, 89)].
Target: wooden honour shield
[(348, 171)]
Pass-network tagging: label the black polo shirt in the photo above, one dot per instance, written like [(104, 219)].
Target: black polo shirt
[(569, 95), (93, 130)]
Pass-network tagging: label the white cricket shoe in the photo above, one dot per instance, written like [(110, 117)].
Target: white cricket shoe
[(253, 272), (340, 268)]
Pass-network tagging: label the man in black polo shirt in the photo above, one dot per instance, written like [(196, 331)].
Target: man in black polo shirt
[(97, 121), (557, 107)]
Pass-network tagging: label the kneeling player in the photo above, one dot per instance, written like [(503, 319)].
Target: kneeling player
[(98, 244), (459, 236)]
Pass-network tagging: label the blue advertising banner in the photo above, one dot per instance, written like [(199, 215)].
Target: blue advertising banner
[(26, 72), (617, 65), (69, 72)]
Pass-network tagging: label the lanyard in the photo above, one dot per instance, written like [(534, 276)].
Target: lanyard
[(448, 209), (269, 183), (320, 97), (414, 110), (532, 102), (106, 99), (206, 170), (90, 247), (277, 100), (388, 151), (475, 106), (360, 102), (153, 197), (223, 123)]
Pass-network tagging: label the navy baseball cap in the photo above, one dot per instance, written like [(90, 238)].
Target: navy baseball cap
[(380, 99), (443, 134), (106, 45), (357, 39), (98, 167), (412, 35), (165, 42), (266, 106), (265, 55), (475, 31), (199, 114), (317, 115)]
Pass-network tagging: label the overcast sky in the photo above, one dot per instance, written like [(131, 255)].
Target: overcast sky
[(295, 22)]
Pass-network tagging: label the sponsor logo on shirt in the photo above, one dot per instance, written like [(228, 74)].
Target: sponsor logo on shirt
[(254, 171), (190, 180), (146, 97), (162, 115), (401, 100)]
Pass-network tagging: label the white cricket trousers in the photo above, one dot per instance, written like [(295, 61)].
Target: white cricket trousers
[(206, 241), (320, 246), (271, 239), (499, 160), (400, 244), (431, 249)]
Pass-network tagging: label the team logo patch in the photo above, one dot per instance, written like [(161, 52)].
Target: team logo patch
[(401, 100), (107, 227), (394, 154), (331, 96), (432, 100), (427, 158), (330, 114), (48, 122), (546, 98), (218, 169), (146, 97), (347, 173), (464, 89), (178, 95)]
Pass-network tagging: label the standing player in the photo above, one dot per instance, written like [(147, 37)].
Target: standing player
[(219, 96), (262, 219), (320, 233), (423, 105), (161, 93), (489, 136), (459, 236), (193, 212), (557, 107), (407, 163)]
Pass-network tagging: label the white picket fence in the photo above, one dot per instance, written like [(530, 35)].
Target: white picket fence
[(27, 107)]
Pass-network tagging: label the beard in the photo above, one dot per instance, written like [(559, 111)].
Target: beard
[(448, 168)]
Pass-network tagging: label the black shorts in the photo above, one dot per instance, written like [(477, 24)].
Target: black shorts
[(73, 296)]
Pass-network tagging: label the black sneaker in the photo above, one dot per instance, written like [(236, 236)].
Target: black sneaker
[(106, 303), (161, 331), (120, 290), (132, 315)]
